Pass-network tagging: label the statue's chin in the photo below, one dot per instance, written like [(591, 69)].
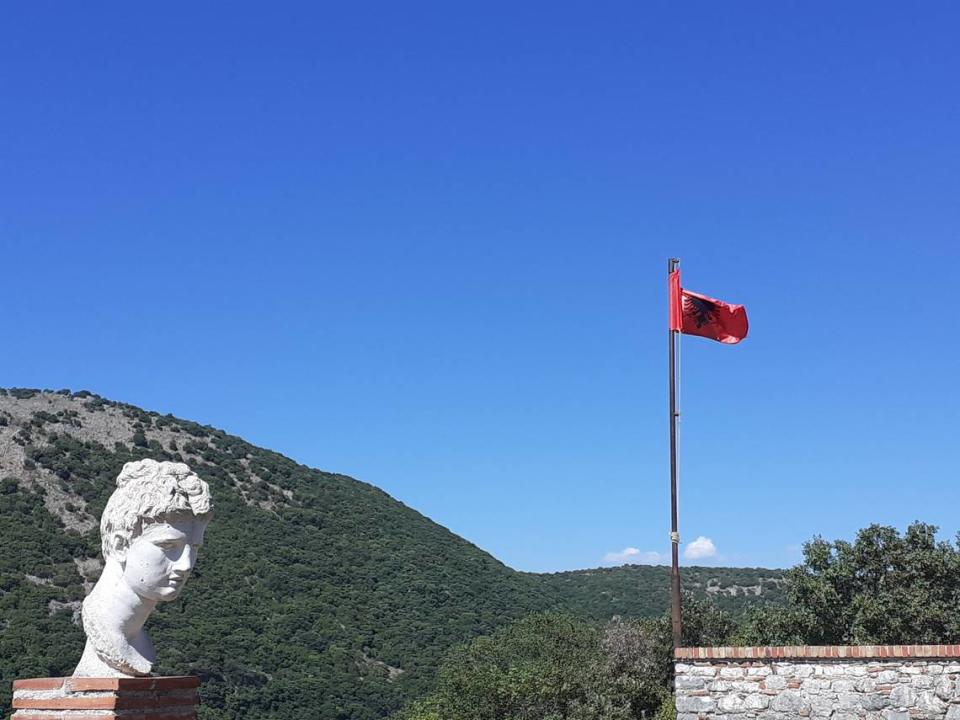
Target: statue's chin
[(168, 593), (163, 593)]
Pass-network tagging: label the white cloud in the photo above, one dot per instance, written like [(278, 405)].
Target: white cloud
[(701, 549), (634, 556)]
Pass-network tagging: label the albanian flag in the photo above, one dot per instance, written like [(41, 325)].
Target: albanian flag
[(695, 314)]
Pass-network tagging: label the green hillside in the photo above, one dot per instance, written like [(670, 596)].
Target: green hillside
[(644, 590), (315, 596)]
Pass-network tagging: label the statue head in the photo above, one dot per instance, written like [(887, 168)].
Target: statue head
[(150, 531), (153, 526)]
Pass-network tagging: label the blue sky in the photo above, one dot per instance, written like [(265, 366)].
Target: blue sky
[(424, 244)]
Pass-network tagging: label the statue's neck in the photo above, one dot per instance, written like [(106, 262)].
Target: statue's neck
[(113, 618), (116, 600)]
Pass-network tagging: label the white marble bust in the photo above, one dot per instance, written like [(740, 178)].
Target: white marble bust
[(150, 532)]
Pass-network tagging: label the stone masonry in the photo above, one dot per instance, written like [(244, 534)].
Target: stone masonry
[(881, 682)]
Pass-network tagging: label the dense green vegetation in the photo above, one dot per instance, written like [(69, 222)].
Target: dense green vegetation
[(542, 666), (553, 666), (316, 595), (883, 588), (32, 634), (644, 590)]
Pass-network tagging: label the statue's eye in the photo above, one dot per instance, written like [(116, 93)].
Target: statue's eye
[(168, 545)]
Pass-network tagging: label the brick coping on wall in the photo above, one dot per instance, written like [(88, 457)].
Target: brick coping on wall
[(86, 698), (814, 652), (179, 682)]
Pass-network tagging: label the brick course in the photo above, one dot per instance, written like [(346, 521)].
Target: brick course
[(799, 652), (164, 698)]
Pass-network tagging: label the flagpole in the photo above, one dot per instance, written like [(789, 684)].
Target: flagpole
[(676, 619)]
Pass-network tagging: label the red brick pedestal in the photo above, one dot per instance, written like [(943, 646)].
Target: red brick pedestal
[(149, 698)]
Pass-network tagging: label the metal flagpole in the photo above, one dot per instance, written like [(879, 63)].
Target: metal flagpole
[(675, 610)]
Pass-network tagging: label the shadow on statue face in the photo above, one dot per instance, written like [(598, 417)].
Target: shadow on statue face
[(159, 561)]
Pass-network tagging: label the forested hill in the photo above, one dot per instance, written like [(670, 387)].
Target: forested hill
[(315, 596), (644, 590)]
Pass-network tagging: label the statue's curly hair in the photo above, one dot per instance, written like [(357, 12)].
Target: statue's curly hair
[(148, 490)]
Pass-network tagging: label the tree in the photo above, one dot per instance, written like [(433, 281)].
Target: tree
[(545, 666), (638, 658), (884, 588), (549, 666)]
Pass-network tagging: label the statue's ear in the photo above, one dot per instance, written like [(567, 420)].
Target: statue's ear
[(119, 544)]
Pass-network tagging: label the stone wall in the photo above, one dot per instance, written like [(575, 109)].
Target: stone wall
[(882, 682)]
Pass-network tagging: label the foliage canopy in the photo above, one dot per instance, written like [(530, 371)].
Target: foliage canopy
[(885, 587), (553, 666)]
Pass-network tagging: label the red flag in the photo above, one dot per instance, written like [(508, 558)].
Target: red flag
[(695, 314)]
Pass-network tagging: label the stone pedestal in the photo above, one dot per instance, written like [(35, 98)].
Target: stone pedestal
[(85, 698)]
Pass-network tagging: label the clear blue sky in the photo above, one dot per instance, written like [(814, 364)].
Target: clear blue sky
[(424, 244)]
